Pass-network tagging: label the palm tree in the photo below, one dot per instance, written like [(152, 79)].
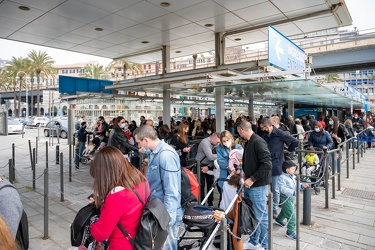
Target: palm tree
[(94, 71), (115, 64), (19, 67), (40, 62), (333, 78), (8, 82)]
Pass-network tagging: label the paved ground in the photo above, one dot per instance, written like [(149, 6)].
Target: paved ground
[(348, 223)]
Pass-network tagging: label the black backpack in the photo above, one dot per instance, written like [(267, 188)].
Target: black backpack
[(80, 228), (22, 236), (152, 230)]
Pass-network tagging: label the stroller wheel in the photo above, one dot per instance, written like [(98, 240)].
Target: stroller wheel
[(84, 160), (317, 190)]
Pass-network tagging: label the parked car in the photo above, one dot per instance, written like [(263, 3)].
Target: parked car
[(38, 121), (53, 127), (14, 126)]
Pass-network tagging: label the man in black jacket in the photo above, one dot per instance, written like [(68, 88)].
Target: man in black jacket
[(257, 166)]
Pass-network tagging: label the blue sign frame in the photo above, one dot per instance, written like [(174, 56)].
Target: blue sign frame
[(283, 53)]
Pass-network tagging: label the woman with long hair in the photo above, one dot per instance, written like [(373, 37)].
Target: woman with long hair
[(180, 143), (114, 182), (222, 150), (118, 139)]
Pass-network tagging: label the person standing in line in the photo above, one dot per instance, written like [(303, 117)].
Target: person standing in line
[(10, 206), (276, 139), (206, 157), (300, 130), (118, 139), (257, 167), (288, 189), (179, 142), (82, 138), (114, 182), (164, 176), (142, 120)]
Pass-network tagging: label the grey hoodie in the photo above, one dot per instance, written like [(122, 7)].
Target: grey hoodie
[(10, 206)]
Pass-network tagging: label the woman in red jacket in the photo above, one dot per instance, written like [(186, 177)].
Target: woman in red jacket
[(114, 181)]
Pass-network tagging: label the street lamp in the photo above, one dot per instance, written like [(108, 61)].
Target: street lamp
[(19, 102)]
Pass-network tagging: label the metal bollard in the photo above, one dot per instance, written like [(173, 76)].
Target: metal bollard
[(224, 234), (297, 214), (307, 206), (70, 162), (45, 203), (270, 218), (36, 149), (34, 169), (23, 131), (62, 176), (14, 161), (11, 171), (46, 154), (57, 153), (199, 181), (31, 155)]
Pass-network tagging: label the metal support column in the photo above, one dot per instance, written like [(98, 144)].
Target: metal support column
[(220, 107), (291, 108), (166, 61), (250, 107), (219, 49)]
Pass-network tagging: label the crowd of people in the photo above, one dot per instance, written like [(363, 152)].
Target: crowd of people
[(258, 150)]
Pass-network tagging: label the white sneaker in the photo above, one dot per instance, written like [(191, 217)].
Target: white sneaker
[(248, 245)]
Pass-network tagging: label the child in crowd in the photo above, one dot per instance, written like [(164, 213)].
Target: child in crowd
[(89, 150), (287, 186), (229, 190), (235, 160), (312, 160)]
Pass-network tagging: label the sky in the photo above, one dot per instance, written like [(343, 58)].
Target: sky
[(361, 11)]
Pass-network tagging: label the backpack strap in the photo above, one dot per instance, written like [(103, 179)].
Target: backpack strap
[(7, 185), (119, 225)]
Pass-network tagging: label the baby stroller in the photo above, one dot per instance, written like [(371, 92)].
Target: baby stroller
[(203, 222), (89, 153), (317, 171)]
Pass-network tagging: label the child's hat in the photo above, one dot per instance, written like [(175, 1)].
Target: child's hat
[(287, 164)]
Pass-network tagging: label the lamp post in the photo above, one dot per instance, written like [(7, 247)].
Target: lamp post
[(20, 93)]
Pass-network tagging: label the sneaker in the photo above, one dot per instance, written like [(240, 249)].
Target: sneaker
[(280, 223), (292, 236), (248, 245), (275, 214)]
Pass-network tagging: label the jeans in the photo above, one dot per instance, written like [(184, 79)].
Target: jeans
[(332, 159), (172, 240), (275, 191), (81, 148), (209, 180), (258, 195)]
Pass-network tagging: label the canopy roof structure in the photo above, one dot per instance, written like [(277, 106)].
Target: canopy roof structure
[(137, 29)]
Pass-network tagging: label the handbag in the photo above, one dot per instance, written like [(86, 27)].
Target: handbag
[(80, 228), (246, 220)]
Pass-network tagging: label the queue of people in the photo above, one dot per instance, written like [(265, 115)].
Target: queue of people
[(261, 158)]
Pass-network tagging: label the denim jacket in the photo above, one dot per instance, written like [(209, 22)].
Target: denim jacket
[(287, 184), (164, 176)]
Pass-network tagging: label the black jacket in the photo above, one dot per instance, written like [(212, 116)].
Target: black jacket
[(118, 139), (257, 163)]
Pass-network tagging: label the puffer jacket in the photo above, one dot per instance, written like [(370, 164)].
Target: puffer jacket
[(118, 139)]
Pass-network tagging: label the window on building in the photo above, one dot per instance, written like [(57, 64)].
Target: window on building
[(119, 69), (72, 71), (371, 90), (149, 66)]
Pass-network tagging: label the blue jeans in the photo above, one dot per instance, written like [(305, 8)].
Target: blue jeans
[(172, 240), (275, 191), (81, 148), (258, 195)]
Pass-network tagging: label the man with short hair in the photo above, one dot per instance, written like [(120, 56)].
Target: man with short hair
[(257, 167), (164, 177), (143, 120), (206, 158), (276, 139)]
